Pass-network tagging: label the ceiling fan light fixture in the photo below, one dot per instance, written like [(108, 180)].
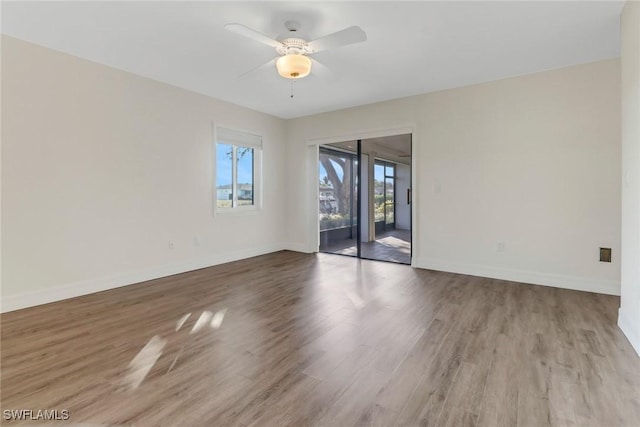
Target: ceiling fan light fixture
[(293, 66)]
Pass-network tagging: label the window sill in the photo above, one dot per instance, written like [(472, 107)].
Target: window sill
[(243, 211)]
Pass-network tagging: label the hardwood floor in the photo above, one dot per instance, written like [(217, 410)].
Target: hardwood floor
[(290, 339)]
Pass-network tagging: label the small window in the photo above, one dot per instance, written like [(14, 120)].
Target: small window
[(237, 169)]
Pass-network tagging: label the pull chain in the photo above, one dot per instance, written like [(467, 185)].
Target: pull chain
[(291, 88)]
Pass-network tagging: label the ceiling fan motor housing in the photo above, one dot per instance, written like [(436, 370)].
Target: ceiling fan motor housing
[(293, 46)]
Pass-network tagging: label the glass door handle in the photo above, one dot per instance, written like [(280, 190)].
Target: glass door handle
[(408, 196)]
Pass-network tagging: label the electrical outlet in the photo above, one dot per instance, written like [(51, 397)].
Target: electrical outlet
[(196, 241), (171, 245), (500, 246), (605, 254)]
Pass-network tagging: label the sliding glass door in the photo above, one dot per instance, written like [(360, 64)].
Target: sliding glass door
[(377, 225)]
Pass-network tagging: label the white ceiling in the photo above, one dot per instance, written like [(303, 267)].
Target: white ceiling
[(412, 47)]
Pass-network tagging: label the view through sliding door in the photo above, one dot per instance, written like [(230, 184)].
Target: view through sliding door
[(384, 194), (338, 192)]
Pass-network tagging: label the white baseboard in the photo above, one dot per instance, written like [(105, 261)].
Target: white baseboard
[(30, 299), (297, 247), (600, 286), (630, 330), (58, 293)]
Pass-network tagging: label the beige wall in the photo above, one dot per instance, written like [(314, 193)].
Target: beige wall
[(531, 161), (102, 168), (629, 319)]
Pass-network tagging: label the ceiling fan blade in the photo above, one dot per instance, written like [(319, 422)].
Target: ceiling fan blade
[(252, 34), (344, 37), (258, 68), (321, 70)]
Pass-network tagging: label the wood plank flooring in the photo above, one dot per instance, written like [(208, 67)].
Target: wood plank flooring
[(290, 339)]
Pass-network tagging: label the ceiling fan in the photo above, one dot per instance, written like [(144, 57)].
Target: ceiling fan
[(293, 61)]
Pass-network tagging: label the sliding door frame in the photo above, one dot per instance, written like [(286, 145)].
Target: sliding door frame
[(359, 193)]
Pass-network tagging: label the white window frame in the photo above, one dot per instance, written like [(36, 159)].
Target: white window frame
[(238, 138)]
